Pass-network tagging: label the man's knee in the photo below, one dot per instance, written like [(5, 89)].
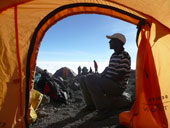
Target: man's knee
[(92, 83), (91, 78)]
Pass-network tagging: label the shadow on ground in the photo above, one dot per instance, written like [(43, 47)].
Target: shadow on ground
[(85, 120)]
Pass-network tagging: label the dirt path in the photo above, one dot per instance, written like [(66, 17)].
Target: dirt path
[(70, 116)]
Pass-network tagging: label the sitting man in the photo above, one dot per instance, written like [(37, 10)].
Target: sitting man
[(112, 81)]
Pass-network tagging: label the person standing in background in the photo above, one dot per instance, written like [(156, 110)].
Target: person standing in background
[(95, 66)]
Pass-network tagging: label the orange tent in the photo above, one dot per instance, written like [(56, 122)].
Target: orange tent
[(23, 24)]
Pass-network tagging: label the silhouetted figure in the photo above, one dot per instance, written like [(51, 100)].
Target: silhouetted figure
[(84, 71), (79, 70), (90, 70), (96, 88), (95, 66)]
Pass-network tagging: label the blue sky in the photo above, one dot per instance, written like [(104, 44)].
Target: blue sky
[(80, 39)]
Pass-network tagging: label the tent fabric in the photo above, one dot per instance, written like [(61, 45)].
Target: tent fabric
[(23, 24), (149, 105), (33, 116), (64, 73), (158, 10), (10, 3), (35, 102)]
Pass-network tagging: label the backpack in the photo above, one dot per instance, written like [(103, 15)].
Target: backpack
[(49, 87)]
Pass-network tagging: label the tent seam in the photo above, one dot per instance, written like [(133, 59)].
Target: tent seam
[(18, 59)]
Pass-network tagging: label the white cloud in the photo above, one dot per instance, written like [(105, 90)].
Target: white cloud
[(53, 66), (63, 53), (133, 65)]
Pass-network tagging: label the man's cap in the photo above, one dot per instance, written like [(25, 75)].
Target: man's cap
[(119, 36)]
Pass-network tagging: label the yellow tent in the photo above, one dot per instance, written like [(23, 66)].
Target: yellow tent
[(23, 24)]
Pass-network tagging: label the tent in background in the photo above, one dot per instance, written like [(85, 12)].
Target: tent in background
[(65, 73), (23, 24)]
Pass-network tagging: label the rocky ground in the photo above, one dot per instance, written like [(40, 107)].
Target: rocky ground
[(70, 115)]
